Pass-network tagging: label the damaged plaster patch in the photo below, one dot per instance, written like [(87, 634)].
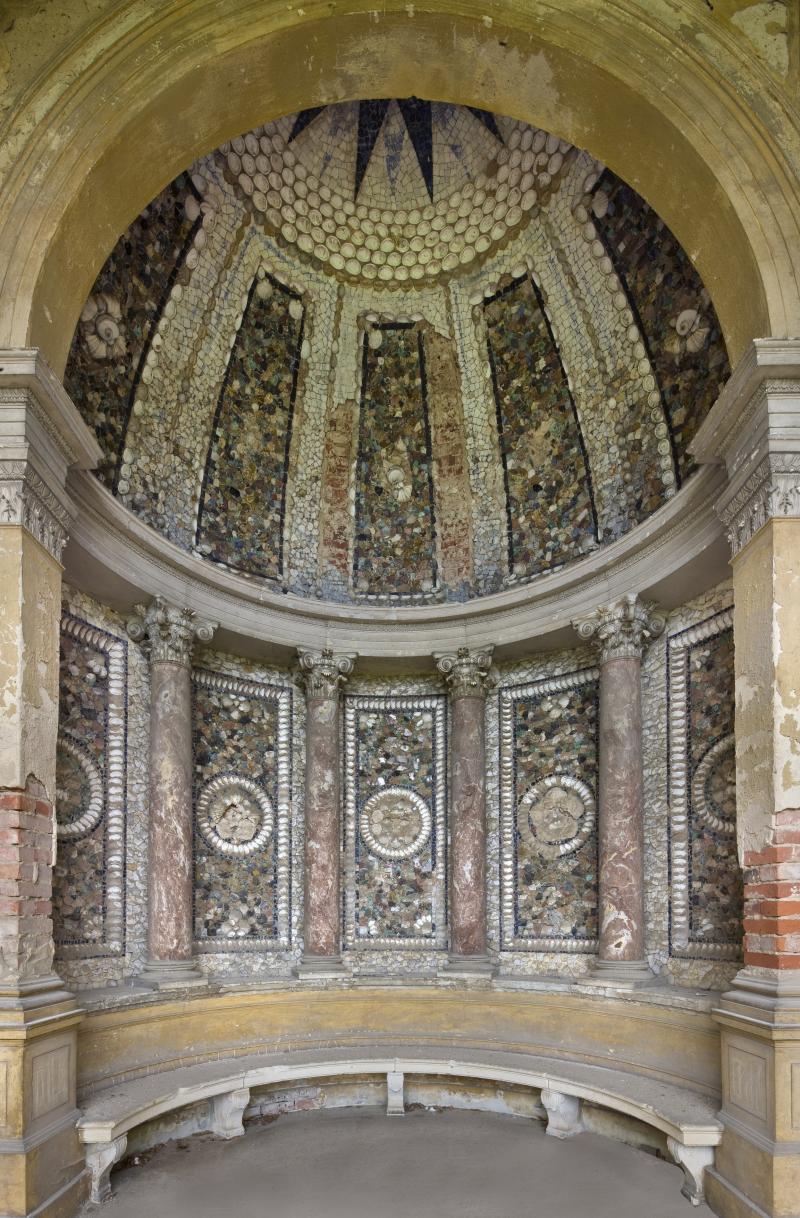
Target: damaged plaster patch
[(764, 25)]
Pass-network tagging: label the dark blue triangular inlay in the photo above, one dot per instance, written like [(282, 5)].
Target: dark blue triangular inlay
[(303, 119), (488, 121), (370, 120), (417, 115)]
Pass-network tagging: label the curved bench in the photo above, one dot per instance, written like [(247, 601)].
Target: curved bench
[(687, 1118)]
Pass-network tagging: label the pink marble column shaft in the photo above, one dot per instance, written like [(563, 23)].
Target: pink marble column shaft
[(622, 630), (168, 633), (465, 673), (324, 674)]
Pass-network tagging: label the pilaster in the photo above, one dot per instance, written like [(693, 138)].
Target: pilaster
[(41, 437), (754, 432)]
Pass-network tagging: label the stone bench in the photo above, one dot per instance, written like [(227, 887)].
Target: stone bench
[(687, 1118)]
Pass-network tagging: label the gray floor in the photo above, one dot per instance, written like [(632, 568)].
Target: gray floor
[(430, 1165)]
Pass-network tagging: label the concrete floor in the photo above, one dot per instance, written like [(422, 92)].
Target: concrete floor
[(362, 1164)]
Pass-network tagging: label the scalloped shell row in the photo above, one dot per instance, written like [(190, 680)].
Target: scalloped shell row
[(400, 246)]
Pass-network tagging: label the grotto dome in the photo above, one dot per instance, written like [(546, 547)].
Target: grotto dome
[(398, 366)]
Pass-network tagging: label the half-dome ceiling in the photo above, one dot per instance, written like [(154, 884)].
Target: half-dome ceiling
[(396, 351)]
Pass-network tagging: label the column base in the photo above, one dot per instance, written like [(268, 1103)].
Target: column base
[(619, 974), (172, 975), (320, 968), (467, 968)]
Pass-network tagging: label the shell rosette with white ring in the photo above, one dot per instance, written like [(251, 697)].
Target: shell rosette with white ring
[(395, 823), (234, 815), (92, 812), (556, 816), (707, 803)]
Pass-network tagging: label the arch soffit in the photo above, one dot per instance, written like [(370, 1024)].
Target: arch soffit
[(189, 76)]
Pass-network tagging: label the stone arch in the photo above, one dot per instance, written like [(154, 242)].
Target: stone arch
[(132, 111)]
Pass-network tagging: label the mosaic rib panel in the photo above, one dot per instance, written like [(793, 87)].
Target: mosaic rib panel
[(109, 346), (677, 318), (395, 530), (243, 498), (550, 515)]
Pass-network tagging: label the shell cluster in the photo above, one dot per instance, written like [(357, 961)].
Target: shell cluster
[(395, 246)]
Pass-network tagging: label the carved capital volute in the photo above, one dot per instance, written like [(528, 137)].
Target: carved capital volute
[(623, 628), (167, 632), (323, 672), (466, 672)]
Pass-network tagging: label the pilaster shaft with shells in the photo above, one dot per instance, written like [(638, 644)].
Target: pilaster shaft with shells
[(622, 629), (324, 673), (466, 674), (168, 634)]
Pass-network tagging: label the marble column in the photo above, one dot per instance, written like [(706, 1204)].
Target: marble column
[(41, 437), (753, 433), (168, 634), (622, 629), (465, 674), (324, 673)]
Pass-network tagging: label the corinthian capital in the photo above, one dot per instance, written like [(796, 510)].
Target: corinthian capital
[(323, 671), (168, 633), (466, 672), (622, 628)]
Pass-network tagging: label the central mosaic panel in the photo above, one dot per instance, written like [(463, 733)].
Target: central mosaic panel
[(242, 796), (548, 784), (395, 866)]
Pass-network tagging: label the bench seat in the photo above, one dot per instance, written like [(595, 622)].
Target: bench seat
[(687, 1118)]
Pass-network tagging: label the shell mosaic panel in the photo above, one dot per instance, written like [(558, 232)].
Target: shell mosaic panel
[(550, 514), (241, 792), (88, 877), (395, 865), (395, 540), (243, 497), (118, 320), (548, 793), (250, 421), (706, 880), (675, 313)]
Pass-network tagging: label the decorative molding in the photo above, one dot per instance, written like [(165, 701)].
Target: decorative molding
[(115, 651), (282, 696), (25, 376), (167, 632), (559, 799), (395, 823), (771, 491), (622, 627), (680, 789), (704, 770), (437, 705), (27, 501), (323, 672), (509, 696), (219, 828), (466, 673)]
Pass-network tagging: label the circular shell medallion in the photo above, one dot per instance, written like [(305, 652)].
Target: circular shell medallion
[(79, 790), (556, 816), (234, 815), (395, 823), (714, 786)]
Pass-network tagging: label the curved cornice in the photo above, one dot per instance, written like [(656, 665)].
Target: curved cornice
[(109, 545)]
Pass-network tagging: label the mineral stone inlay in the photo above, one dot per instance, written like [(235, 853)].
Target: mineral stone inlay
[(395, 531), (241, 757), (243, 499), (88, 877), (677, 318), (548, 734), (706, 881), (395, 860), (550, 514)]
